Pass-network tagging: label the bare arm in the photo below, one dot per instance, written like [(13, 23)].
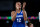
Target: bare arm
[(24, 12), (25, 15), (13, 15)]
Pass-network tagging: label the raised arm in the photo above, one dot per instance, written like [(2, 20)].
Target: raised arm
[(25, 15), (13, 15), (24, 12)]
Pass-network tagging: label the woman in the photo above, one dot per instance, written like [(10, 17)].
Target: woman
[(19, 16)]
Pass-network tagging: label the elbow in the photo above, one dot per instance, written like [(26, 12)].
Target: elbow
[(25, 19), (12, 19)]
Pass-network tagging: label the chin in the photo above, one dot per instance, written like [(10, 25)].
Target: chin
[(20, 7)]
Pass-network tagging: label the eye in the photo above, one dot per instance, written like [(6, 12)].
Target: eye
[(18, 4)]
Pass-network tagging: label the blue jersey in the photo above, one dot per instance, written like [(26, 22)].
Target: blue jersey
[(19, 21)]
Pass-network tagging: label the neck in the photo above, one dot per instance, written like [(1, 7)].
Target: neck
[(18, 10)]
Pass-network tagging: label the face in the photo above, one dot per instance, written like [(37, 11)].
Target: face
[(18, 5)]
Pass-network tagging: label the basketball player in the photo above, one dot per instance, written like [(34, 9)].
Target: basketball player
[(19, 16), (27, 21)]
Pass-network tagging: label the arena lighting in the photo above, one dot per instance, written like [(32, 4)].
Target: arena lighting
[(7, 21), (39, 16), (9, 17), (0, 17)]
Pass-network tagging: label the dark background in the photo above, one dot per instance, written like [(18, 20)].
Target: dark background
[(32, 9)]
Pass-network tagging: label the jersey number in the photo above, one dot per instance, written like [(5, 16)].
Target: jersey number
[(19, 20)]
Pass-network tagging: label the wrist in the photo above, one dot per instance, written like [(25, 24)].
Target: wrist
[(23, 9)]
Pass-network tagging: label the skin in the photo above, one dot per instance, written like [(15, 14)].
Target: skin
[(13, 13), (31, 25), (25, 15), (18, 7), (24, 4), (24, 12)]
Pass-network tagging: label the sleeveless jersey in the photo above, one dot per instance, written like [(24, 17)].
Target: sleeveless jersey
[(19, 21)]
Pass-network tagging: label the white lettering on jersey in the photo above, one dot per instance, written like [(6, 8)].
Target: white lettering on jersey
[(19, 16), (19, 20)]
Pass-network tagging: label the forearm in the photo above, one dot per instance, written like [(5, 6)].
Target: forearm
[(25, 18), (23, 9), (24, 15), (14, 17), (28, 20)]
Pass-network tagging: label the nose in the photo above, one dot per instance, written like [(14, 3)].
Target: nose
[(19, 4)]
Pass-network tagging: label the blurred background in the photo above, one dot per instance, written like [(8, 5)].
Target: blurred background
[(32, 9)]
